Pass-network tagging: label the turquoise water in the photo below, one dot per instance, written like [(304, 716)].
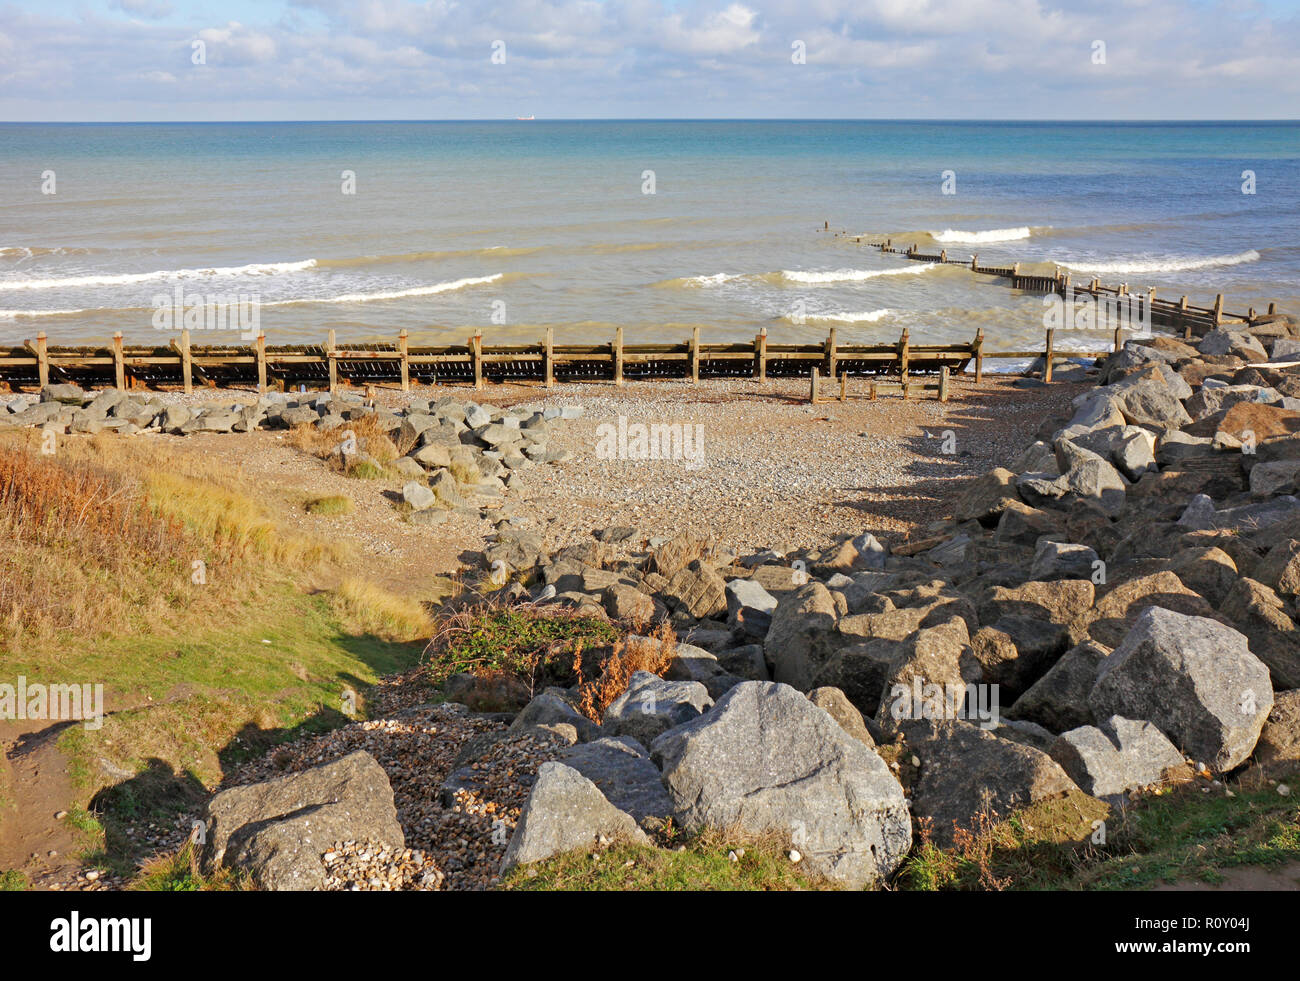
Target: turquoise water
[(513, 226)]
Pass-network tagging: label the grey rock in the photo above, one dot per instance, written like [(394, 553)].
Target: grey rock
[(1193, 677), (1116, 756), (651, 705), (622, 770), (278, 829), (565, 811), (766, 759)]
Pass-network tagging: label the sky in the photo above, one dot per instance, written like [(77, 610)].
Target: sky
[(204, 60)]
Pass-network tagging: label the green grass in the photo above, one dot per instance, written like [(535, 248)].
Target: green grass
[(180, 872), (704, 865), (365, 470), (328, 506), (1180, 833), (14, 881), (525, 641), (183, 711)]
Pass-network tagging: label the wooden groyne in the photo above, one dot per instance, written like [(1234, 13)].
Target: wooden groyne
[(1179, 316), (181, 364)]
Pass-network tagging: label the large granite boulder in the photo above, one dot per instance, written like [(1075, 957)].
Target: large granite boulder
[(967, 771), (565, 811), (1195, 678), (1116, 756), (766, 759), (278, 830)]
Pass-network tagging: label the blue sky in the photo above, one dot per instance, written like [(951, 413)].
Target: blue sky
[(399, 59)]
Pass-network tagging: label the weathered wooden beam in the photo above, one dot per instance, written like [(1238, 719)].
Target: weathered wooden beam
[(404, 350), (119, 365), (549, 353), (618, 355), (1048, 354), (695, 355), (943, 384), (476, 353), (330, 346), (261, 362)]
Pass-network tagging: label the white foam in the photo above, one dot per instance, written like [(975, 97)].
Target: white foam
[(851, 275), (866, 317), (975, 238), (253, 269), (1171, 264), (446, 287), (14, 314)]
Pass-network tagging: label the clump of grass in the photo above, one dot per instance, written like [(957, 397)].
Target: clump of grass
[(332, 505), (180, 871), (705, 864), (366, 470), (599, 693), (326, 444), (370, 609), (536, 644), (14, 880)]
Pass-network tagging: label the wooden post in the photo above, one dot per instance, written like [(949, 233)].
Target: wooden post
[(975, 262), (476, 353), (1015, 273), (978, 347), (812, 391), (1047, 355), (1096, 284), (119, 366), (830, 354), (42, 359), (844, 387), (261, 362), (618, 355), (187, 363), (1182, 318), (548, 357), (695, 355), (1218, 310), (404, 351), (902, 358), (1272, 308), (1119, 338), (943, 383), (333, 363), (943, 255), (871, 392)]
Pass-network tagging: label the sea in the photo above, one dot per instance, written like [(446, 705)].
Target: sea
[(447, 228)]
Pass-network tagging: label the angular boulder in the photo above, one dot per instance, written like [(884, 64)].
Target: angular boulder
[(1116, 756), (765, 759), (279, 829), (565, 811), (1195, 678)]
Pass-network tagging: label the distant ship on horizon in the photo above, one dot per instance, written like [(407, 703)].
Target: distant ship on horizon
[(525, 118)]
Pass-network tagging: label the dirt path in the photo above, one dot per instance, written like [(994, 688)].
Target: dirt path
[(34, 787), (1244, 878)]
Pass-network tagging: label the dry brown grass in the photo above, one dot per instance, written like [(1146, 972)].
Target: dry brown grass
[(106, 536), (617, 670), (371, 439)]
